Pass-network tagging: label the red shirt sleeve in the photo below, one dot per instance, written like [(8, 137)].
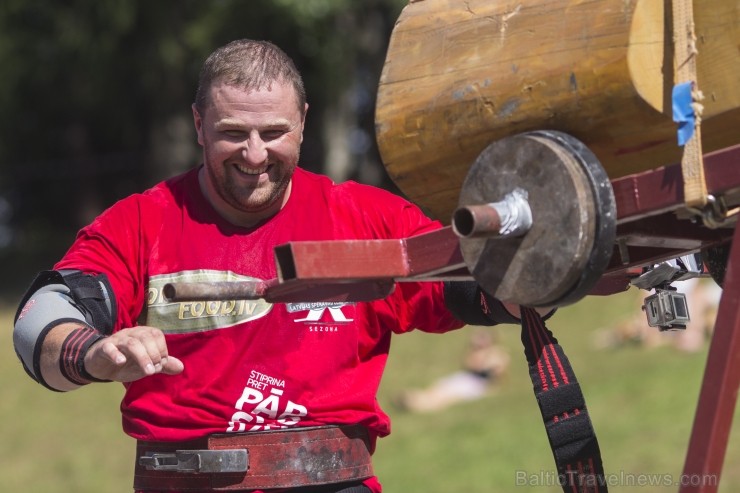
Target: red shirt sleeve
[(114, 245)]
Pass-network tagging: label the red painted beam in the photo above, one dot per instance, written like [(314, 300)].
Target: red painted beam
[(661, 190), (329, 261), (719, 390), (649, 230), (425, 256)]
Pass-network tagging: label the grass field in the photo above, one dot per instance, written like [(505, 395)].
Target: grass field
[(641, 401)]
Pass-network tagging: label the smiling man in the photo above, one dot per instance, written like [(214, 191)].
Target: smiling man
[(238, 395), (251, 139)]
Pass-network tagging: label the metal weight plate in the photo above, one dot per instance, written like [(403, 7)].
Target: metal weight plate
[(571, 240)]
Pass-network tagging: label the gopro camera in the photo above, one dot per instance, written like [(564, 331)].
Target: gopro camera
[(667, 310)]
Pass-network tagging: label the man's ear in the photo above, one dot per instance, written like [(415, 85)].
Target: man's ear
[(198, 121), (303, 120)]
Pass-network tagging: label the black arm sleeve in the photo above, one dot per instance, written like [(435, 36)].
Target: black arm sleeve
[(469, 303)]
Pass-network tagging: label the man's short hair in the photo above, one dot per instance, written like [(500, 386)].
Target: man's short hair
[(250, 65)]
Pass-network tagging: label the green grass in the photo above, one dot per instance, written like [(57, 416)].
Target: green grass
[(59, 442), (642, 403)]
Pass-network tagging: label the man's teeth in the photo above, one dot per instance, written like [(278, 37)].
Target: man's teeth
[(252, 171)]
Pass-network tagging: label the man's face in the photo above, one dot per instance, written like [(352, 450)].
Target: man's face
[(251, 143)]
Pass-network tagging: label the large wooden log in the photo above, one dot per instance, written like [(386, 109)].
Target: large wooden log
[(461, 74)]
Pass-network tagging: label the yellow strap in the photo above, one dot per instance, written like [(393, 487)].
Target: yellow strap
[(684, 46)]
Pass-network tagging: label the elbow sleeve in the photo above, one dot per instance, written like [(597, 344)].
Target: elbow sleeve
[(55, 298)]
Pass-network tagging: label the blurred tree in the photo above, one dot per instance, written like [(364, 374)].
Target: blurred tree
[(97, 99)]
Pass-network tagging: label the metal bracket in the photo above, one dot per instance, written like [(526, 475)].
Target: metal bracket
[(197, 461), (715, 213), (677, 269)]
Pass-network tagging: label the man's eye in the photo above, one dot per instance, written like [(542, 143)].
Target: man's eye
[(272, 134), (234, 133)]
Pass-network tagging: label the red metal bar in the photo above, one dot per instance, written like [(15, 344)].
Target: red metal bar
[(649, 230), (436, 256), (723, 176), (661, 190), (425, 256), (719, 389), (324, 261)]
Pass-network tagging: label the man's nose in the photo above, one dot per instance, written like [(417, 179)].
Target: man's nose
[(254, 150)]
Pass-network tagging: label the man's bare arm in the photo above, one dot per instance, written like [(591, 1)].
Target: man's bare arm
[(125, 356)]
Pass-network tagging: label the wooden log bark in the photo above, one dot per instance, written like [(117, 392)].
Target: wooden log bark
[(460, 74)]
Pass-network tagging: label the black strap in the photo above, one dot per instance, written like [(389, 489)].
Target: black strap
[(87, 292), (569, 430), (467, 301)]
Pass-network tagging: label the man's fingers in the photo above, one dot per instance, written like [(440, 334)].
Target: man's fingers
[(172, 366), (141, 352), (134, 353), (156, 350), (112, 353)]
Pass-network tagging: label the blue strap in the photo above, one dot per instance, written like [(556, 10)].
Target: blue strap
[(683, 112)]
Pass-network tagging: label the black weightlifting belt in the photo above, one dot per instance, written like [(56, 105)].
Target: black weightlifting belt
[(259, 460)]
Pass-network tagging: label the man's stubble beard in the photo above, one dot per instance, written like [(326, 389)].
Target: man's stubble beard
[(238, 197)]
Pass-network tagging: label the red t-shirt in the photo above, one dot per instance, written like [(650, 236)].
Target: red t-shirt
[(251, 365)]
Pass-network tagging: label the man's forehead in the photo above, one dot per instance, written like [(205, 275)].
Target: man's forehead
[(274, 88), (278, 98)]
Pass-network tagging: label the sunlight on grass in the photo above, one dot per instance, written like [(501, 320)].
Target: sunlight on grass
[(59, 442)]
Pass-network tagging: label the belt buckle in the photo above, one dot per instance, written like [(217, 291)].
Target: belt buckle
[(197, 461)]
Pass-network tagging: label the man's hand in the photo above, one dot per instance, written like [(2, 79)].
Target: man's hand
[(131, 354)]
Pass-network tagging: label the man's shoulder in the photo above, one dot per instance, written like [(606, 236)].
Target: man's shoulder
[(169, 192), (150, 204), (175, 185), (366, 209), (349, 191)]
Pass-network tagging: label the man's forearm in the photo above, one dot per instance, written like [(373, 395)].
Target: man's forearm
[(51, 351)]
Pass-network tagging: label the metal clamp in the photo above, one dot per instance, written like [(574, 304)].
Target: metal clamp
[(715, 213), (197, 461)]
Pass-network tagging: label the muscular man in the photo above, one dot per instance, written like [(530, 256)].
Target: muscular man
[(278, 379)]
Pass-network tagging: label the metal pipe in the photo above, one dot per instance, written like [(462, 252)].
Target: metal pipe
[(509, 217), (215, 291), (476, 221)]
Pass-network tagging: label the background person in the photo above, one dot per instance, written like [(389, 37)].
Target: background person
[(485, 363)]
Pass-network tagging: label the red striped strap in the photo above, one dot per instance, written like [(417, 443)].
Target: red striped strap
[(568, 426), (72, 358)]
